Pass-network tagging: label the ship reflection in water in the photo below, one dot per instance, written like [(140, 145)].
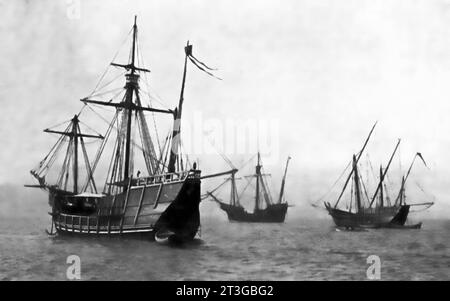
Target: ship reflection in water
[(296, 250)]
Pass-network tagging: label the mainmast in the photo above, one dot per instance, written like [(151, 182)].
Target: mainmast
[(131, 90), (283, 181), (401, 195), (233, 189), (381, 187), (75, 148), (380, 184), (258, 175), (357, 159), (131, 86), (357, 186)]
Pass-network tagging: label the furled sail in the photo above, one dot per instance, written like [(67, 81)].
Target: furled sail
[(149, 153)]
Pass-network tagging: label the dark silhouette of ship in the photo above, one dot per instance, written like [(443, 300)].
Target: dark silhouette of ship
[(377, 211), (272, 212)]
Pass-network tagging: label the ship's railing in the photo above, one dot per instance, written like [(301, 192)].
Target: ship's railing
[(92, 224), (167, 177), (80, 223)]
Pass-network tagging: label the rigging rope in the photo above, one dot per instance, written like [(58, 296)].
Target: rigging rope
[(216, 188), (140, 57), (245, 188), (250, 160), (334, 184), (109, 65), (364, 187), (63, 169), (115, 127), (89, 128), (371, 167), (224, 157), (90, 178), (351, 195), (107, 84), (59, 124), (53, 152), (120, 89), (102, 146), (268, 193)]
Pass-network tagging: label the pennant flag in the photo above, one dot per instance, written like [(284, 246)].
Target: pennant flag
[(200, 65), (423, 160)]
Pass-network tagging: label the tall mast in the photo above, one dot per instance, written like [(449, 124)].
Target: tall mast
[(127, 104), (402, 192), (258, 174), (357, 187), (134, 44), (73, 132), (357, 159), (130, 86), (384, 174), (283, 181), (233, 189), (177, 115), (381, 188), (75, 149)]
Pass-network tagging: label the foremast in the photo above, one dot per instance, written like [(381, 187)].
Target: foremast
[(76, 139), (258, 176)]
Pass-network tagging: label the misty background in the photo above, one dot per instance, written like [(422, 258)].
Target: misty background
[(325, 70)]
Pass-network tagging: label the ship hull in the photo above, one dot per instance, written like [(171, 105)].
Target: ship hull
[(272, 214), (145, 209), (386, 217)]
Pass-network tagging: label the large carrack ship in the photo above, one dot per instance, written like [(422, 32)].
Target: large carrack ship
[(164, 203)]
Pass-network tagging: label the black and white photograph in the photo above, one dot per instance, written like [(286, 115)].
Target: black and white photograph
[(249, 142)]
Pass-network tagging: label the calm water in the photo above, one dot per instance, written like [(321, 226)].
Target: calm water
[(297, 250)]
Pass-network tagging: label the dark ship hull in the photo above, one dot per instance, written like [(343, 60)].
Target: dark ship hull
[(150, 205), (385, 217), (272, 214)]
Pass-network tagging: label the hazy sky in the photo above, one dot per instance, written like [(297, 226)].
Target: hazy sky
[(324, 71)]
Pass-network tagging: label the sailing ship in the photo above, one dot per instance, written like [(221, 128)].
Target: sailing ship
[(273, 212), (379, 212), (165, 203)]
